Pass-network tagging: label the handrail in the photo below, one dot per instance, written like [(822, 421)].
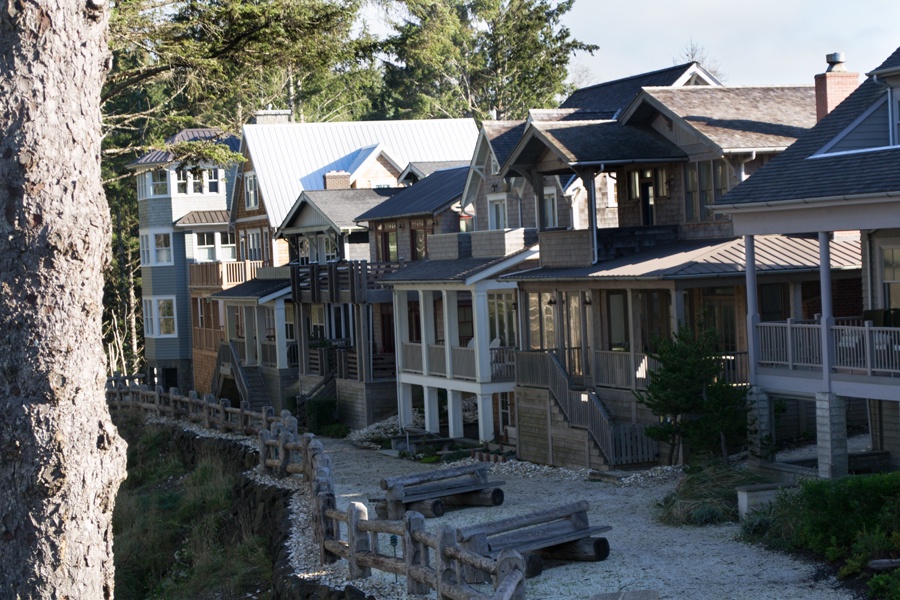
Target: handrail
[(240, 378)]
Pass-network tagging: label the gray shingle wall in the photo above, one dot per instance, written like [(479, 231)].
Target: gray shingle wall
[(565, 248), (155, 212), (449, 246), (872, 132)]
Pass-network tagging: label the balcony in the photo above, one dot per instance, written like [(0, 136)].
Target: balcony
[(631, 371), (208, 339), (462, 362), (222, 275), (340, 281), (572, 248)]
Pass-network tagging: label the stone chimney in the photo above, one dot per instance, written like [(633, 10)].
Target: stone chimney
[(835, 84), (337, 180), (271, 117)]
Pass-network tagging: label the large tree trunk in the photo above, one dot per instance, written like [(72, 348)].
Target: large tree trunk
[(61, 460)]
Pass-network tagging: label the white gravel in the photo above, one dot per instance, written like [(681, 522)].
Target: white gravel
[(693, 563)]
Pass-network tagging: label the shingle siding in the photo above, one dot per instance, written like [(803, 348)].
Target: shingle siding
[(872, 132)]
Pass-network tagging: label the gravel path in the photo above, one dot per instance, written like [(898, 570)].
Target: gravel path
[(695, 563)]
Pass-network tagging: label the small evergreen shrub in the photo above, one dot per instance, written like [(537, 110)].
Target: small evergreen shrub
[(320, 413)]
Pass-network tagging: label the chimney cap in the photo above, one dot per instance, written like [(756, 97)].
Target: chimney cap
[(835, 62)]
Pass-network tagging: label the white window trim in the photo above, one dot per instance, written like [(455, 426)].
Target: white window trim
[(151, 316), (552, 216), (150, 184), (214, 246), (493, 200), (148, 247), (247, 178)]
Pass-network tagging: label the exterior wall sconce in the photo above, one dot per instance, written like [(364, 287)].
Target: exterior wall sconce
[(587, 299), (551, 301), (515, 305)]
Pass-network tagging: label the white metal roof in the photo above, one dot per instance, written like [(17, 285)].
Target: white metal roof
[(289, 158)]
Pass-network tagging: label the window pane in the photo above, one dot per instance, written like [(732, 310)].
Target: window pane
[(181, 176), (163, 245), (197, 182), (160, 185), (212, 178), (392, 245)]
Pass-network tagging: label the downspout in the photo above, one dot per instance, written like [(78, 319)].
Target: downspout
[(752, 157), (591, 184)]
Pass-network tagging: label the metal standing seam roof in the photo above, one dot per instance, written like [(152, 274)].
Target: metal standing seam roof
[(253, 289), (156, 157), (740, 117), (203, 217), (289, 158), (703, 259), (437, 271), (429, 196)]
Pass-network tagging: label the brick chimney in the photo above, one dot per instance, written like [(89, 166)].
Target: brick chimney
[(337, 180), (835, 84)]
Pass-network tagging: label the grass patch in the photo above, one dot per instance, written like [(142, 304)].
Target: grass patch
[(706, 495), (174, 532)]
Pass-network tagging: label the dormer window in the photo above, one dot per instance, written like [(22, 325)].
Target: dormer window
[(496, 211)]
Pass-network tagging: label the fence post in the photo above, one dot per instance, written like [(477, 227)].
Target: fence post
[(285, 437), (208, 400), (290, 421), (224, 415), (357, 539), (324, 526), (509, 561), (444, 566), (415, 554), (264, 436), (244, 406), (268, 415), (313, 449), (156, 398)]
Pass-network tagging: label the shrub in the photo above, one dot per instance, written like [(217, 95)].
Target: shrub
[(320, 413), (885, 585), (335, 430), (706, 496)]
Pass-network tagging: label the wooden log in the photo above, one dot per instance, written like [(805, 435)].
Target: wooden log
[(589, 549), (884, 564), (489, 497), (476, 545), (381, 510), (534, 518), (509, 581), (534, 564), (433, 475), (357, 540), (264, 437), (428, 508)]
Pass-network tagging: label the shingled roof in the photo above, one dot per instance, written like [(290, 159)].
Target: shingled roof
[(797, 174), (161, 157), (431, 195), (338, 206), (891, 63), (735, 118), (612, 96)]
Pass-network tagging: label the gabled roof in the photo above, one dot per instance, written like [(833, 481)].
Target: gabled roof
[(797, 174), (732, 118), (612, 96), (161, 157), (435, 193), (593, 142), (503, 137), (255, 289), (890, 65), (709, 258), (203, 217), (289, 158), (364, 157), (466, 270), (420, 169), (338, 207)]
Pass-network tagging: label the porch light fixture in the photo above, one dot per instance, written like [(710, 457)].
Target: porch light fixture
[(587, 299), (551, 301), (514, 305)]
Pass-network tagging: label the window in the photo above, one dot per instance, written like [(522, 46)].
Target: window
[(331, 250), (386, 243), (704, 183), (266, 247), (617, 316), (251, 197), (496, 211), (317, 322), (270, 323), (418, 243), (254, 245), (502, 318), (196, 182), (159, 182), (143, 185), (156, 248), (181, 181), (303, 251), (228, 248), (691, 195), (550, 216), (541, 324), (212, 180), (891, 276), (495, 166), (159, 317), (206, 246)]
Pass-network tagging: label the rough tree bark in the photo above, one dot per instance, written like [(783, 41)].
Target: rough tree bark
[(61, 459)]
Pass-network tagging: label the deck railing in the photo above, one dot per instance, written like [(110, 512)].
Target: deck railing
[(437, 360), (208, 339), (268, 354), (222, 274), (463, 362), (412, 357), (623, 370)]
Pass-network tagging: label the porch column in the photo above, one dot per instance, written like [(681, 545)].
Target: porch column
[(249, 334), (481, 324), (260, 314), (752, 306), (831, 435), (280, 340), (426, 324), (404, 404), (230, 322), (633, 337), (401, 327), (432, 411), (827, 312), (485, 417), (363, 342), (677, 308), (537, 184), (454, 413), (451, 328), (302, 326), (760, 416)]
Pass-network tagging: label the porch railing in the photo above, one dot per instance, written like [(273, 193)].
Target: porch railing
[(622, 370), (208, 339), (503, 364), (293, 354), (868, 349), (412, 357), (268, 354), (437, 360), (222, 274), (791, 344), (463, 362)]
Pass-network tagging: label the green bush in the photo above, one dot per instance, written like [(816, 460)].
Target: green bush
[(886, 585), (335, 430), (320, 413), (706, 496)]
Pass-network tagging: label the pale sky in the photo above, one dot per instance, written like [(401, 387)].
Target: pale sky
[(765, 42)]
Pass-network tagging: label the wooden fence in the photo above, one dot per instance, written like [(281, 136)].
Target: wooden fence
[(349, 534)]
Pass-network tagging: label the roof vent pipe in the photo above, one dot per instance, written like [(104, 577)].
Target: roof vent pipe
[(835, 62)]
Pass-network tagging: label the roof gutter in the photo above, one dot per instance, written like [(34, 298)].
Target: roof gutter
[(631, 161), (788, 204)]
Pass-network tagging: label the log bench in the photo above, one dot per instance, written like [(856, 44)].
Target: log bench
[(429, 493), (562, 533)]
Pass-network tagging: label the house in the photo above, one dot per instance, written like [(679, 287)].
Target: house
[(844, 174), (284, 160), (465, 321), (182, 224), (601, 298)]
